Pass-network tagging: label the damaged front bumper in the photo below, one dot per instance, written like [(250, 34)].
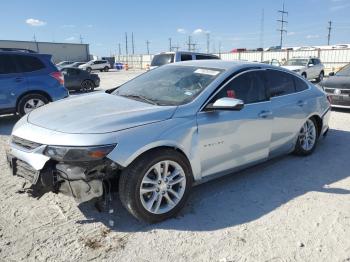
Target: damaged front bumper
[(81, 180)]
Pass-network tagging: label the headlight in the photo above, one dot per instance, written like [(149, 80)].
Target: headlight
[(91, 153)]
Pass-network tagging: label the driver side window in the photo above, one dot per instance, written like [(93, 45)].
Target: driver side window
[(248, 87)]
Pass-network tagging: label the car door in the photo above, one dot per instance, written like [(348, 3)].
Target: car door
[(232, 139), (288, 109), (12, 82)]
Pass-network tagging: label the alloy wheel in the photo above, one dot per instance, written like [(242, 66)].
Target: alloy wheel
[(308, 135), (32, 104), (162, 187)]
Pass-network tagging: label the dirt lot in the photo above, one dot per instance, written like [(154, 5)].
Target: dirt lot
[(289, 209)]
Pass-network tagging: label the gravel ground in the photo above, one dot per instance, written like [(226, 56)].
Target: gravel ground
[(288, 209)]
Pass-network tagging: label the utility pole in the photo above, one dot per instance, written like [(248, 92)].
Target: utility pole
[(208, 43), (170, 45), (147, 44), (81, 39), (132, 43), (119, 50), (191, 46), (329, 32), (126, 43), (34, 38), (283, 22), (262, 27)]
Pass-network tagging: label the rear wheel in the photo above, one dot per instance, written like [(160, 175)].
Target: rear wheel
[(156, 186), (106, 68), (307, 138), (89, 69), (30, 102), (87, 86)]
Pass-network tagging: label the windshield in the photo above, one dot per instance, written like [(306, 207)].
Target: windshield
[(169, 85), (345, 71), (159, 60), (296, 62)]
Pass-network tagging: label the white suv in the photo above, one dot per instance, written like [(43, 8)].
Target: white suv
[(102, 65), (309, 68)]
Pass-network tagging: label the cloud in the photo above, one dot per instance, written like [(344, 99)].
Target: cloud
[(35, 22), (291, 33), (200, 31), (89, 26), (70, 39), (312, 36), (181, 31)]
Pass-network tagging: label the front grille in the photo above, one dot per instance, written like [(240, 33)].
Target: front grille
[(29, 145), (342, 91), (26, 171)]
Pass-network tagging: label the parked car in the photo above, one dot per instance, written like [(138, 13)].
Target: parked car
[(338, 87), (173, 57), (273, 62), (64, 64), (308, 67), (169, 129), (77, 64), (102, 65), (28, 81), (76, 79)]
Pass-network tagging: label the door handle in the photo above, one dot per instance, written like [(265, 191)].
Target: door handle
[(301, 103), (265, 114), (19, 79)]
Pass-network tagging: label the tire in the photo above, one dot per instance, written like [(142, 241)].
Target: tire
[(106, 68), (161, 205), (89, 69), (301, 147), (87, 86), (320, 77), (304, 75), (30, 102)]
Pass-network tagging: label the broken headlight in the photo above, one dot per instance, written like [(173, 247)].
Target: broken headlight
[(91, 153)]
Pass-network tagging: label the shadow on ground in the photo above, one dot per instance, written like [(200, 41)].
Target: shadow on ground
[(248, 195), (6, 124)]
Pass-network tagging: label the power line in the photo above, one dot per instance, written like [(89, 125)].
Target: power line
[(126, 43), (208, 42), (329, 31), (170, 45), (147, 44), (283, 22), (132, 43)]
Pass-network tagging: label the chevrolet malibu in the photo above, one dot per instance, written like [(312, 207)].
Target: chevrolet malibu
[(167, 130)]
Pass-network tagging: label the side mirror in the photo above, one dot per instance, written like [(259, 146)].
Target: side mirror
[(226, 103), (331, 74), (311, 65)]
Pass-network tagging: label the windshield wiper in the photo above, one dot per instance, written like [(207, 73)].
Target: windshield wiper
[(142, 98)]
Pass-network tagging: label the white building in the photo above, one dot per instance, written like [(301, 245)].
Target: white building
[(59, 51)]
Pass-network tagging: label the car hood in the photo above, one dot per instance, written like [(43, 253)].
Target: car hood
[(292, 68), (337, 82), (97, 113)]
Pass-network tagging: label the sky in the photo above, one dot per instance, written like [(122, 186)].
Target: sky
[(229, 23)]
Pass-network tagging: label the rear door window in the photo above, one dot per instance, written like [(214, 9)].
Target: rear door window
[(7, 64), (28, 63), (279, 83), (162, 59), (186, 57), (300, 84)]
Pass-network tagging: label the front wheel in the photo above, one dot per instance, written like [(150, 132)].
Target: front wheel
[(87, 86), (320, 77), (89, 69), (156, 186), (307, 138), (106, 69)]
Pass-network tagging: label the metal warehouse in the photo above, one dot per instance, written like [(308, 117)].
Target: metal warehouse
[(59, 51)]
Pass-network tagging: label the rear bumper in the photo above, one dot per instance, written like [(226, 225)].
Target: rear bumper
[(58, 93), (325, 121)]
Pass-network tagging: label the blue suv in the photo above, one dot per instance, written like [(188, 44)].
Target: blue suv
[(28, 80)]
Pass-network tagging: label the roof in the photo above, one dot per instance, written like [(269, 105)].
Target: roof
[(219, 64)]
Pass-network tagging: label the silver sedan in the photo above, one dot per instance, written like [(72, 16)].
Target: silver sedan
[(167, 130)]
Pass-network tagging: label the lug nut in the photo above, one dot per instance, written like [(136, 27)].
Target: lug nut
[(159, 182), (157, 190)]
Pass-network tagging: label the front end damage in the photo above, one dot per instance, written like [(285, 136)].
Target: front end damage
[(83, 173)]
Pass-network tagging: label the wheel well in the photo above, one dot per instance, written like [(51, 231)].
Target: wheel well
[(319, 124), (33, 93)]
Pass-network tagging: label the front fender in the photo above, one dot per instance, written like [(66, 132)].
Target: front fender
[(179, 133)]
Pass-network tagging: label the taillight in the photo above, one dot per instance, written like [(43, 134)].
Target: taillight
[(58, 76)]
